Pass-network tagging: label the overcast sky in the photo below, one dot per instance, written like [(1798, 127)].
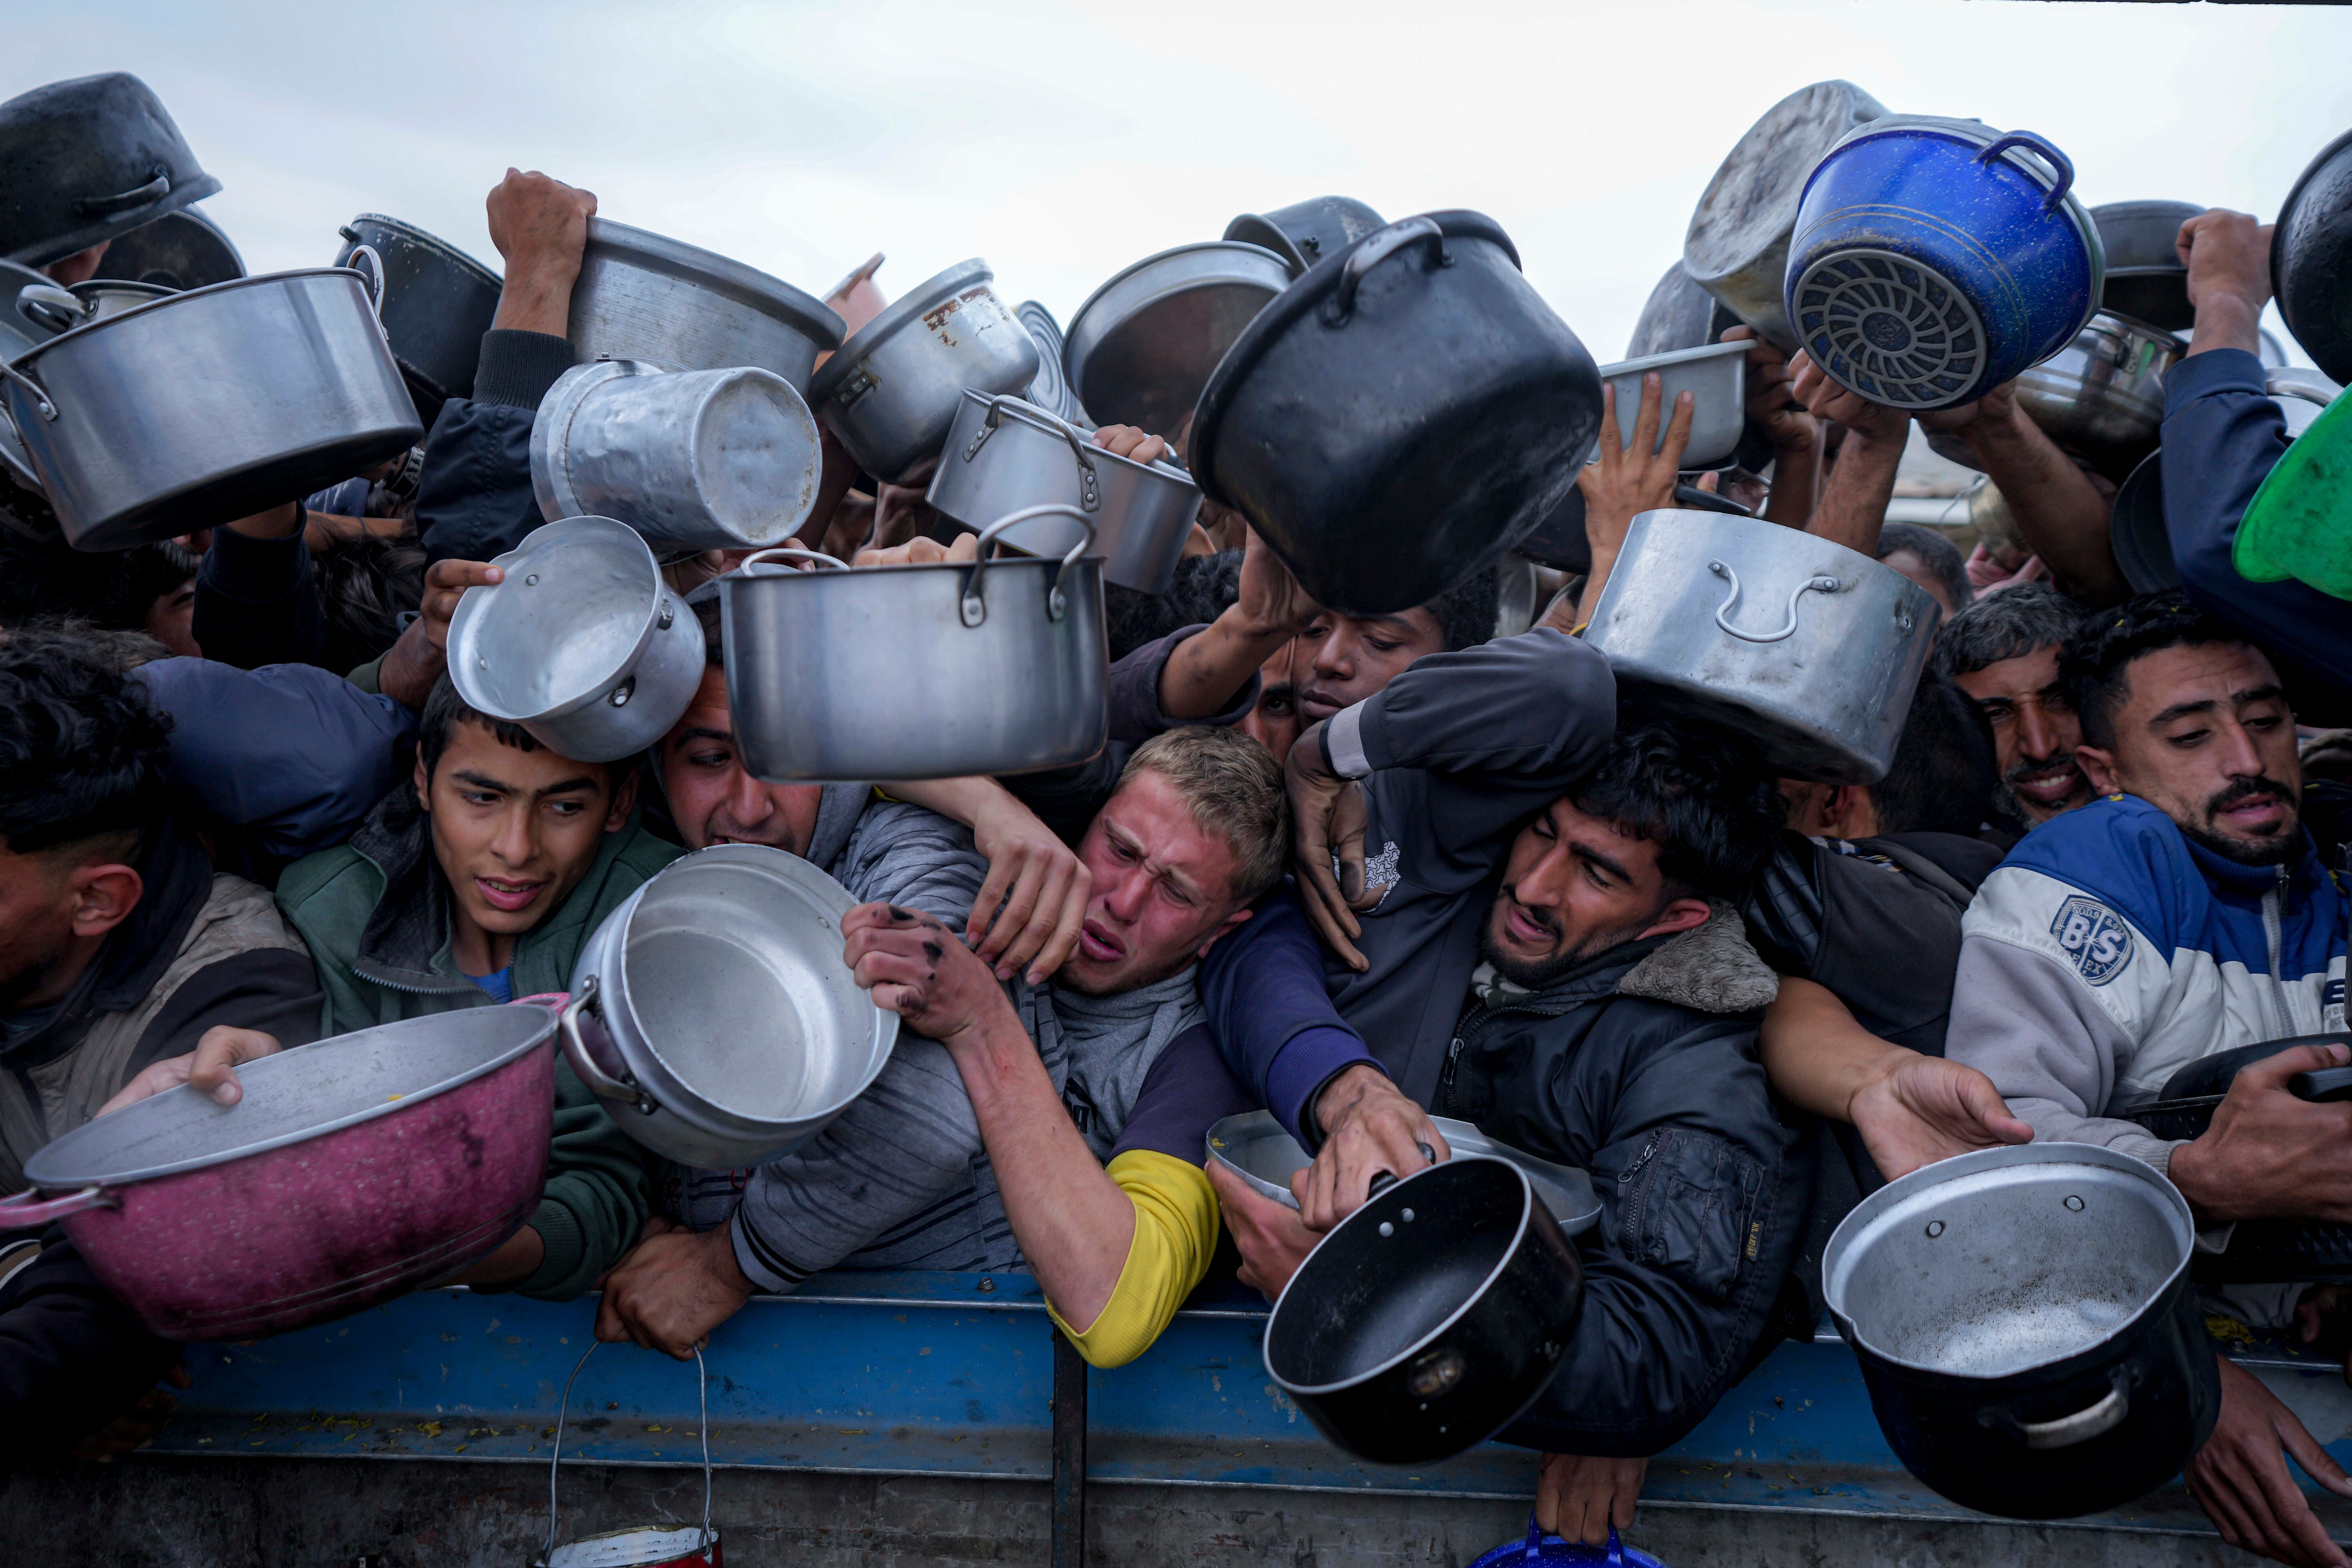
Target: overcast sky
[(1064, 139)]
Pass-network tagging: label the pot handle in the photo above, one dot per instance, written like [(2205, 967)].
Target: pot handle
[(1089, 480), (600, 1083), (763, 557), (1535, 1539), (1820, 584), (8, 372), (2035, 144), (47, 305), (23, 1211), (555, 1462), (975, 609), (154, 190), (1379, 247), (364, 261), (2081, 1427)]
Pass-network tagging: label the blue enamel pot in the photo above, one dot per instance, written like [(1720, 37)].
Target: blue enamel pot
[(1934, 260)]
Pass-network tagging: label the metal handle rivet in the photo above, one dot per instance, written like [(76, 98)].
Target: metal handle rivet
[(1935, 1228), (1386, 1229), (532, 581), (1408, 1216), (2073, 1203)]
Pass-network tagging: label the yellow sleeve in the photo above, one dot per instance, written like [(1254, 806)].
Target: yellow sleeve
[(1176, 1222)]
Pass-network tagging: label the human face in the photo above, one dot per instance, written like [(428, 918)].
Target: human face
[(55, 908), (1274, 722), (1574, 887), (515, 831), (1162, 891), (1912, 567), (712, 799), (171, 621), (2203, 734), (1346, 658), (2034, 733)]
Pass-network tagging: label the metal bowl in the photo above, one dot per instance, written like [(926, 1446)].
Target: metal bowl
[(641, 296), (1716, 375), (1254, 1146), (1142, 345), (2146, 279)]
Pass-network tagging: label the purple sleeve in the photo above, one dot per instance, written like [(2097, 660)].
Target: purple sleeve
[(1135, 713), (1271, 1016), (1186, 1091)]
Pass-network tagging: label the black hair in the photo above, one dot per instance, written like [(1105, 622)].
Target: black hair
[(83, 755), (47, 579), (1700, 793), (1204, 587), (1937, 553), (1945, 768), (1465, 612), (2096, 666), (444, 710), (365, 584), (2006, 625)]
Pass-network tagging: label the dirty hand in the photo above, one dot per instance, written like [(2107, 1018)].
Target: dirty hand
[(1328, 819), (1029, 909), (672, 1289), (920, 970), (210, 1068), (1988, 574), (1624, 480), (1270, 601), (1271, 1236), (1771, 402), (2269, 1153), (1921, 1109), (1369, 1125), (2240, 1479), (1579, 1497), (1827, 400), (919, 552), (1127, 441)]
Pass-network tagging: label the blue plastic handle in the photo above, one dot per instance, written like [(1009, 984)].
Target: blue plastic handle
[(1572, 1551), (2033, 144)]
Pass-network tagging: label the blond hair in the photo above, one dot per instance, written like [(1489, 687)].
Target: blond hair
[(1235, 790)]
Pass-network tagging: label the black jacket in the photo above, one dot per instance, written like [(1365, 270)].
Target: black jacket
[(73, 1355), (475, 501)]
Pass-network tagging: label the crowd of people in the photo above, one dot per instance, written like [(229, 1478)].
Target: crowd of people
[(1356, 871)]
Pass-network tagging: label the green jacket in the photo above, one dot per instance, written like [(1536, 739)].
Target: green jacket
[(375, 914)]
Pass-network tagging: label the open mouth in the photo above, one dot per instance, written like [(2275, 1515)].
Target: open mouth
[(1520, 925), (2048, 786), (1098, 944), (500, 894)]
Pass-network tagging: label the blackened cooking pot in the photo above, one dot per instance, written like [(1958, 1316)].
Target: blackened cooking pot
[(2311, 259), (179, 250), (2026, 1327), (1306, 231), (437, 303), (85, 160), (1400, 416)]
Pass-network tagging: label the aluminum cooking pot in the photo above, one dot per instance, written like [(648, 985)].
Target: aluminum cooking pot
[(1401, 416), (2311, 259), (209, 405), (1254, 1146), (1305, 232), (694, 459), (582, 645), (437, 303), (1049, 389), (891, 394), (1143, 345), (2102, 394), (2026, 1327), (714, 1005), (1736, 247), (1714, 375), (1810, 649), (52, 310), (917, 671), (1934, 260), (85, 160), (2146, 279), (645, 297), (179, 250), (351, 1171), (1003, 456)]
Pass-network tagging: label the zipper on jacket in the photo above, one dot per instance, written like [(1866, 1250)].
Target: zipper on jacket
[(1479, 1015), (1631, 1206), (415, 990), (2272, 903)]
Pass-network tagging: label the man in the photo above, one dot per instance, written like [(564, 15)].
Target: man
[(2003, 651), (1343, 659), (476, 883), (1273, 722), (1113, 1048), (2185, 913), (1538, 949), (1929, 559)]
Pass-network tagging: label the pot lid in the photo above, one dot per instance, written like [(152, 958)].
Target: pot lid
[(85, 160), (913, 304), (804, 314)]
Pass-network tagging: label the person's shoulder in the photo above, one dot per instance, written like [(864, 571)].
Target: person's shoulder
[(318, 879), (2073, 877), (643, 852)]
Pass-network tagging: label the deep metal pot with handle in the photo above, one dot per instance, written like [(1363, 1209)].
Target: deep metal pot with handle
[(2311, 259), (2026, 1327), (891, 393), (1144, 344), (2146, 278), (2102, 394), (582, 645), (917, 671), (1400, 416), (1254, 1146), (1003, 456), (437, 303), (1810, 649), (88, 159), (713, 1010), (52, 310), (644, 296), (1306, 231), (210, 405)]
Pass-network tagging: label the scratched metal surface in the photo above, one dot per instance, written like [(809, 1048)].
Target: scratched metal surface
[(949, 1374)]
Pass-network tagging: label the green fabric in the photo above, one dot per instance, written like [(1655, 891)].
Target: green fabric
[(598, 1190), (2299, 524), (369, 677)]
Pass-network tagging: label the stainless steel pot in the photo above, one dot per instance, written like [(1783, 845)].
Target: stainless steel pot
[(1003, 456), (210, 405), (1142, 348), (582, 645), (54, 310), (891, 394), (1810, 649), (1254, 1146), (2102, 394), (714, 1003), (917, 671), (696, 459), (645, 297)]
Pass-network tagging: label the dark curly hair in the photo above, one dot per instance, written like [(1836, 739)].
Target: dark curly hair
[(2095, 664), (1945, 767), (46, 580), (1465, 612), (364, 585), (1204, 587), (1701, 794), (444, 710), (83, 756)]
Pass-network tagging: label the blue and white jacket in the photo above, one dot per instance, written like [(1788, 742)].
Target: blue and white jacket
[(2107, 951)]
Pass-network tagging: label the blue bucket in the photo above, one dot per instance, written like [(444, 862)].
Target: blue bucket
[(1934, 260), (1540, 1548)]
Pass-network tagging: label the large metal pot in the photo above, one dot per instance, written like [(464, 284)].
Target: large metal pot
[(1401, 416), (2026, 1327), (51, 310), (352, 1170), (1306, 231), (2311, 259), (1736, 247), (437, 303), (643, 295), (891, 394), (1934, 259), (2102, 394), (1003, 456), (582, 645), (209, 405), (1426, 1321), (696, 459), (1143, 345), (2145, 277), (85, 160), (917, 671), (179, 250), (1808, 648), (714, 1006)]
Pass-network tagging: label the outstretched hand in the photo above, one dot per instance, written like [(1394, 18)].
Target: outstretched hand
[(920, 970), (1328, 820), (1922, 1109), (210, 1069)]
